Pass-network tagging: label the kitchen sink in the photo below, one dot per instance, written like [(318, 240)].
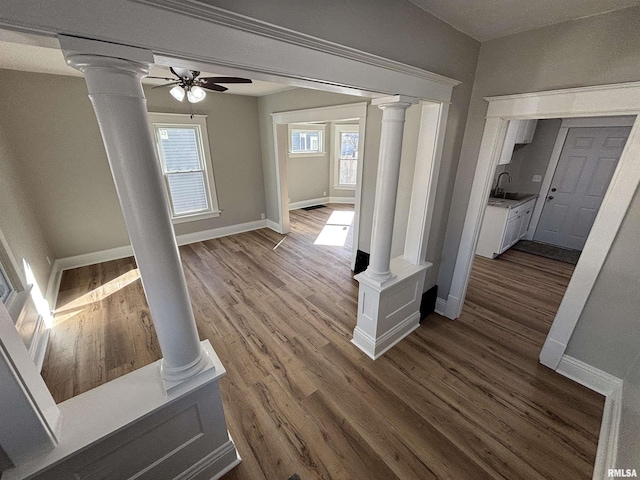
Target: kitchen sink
[(512, 196)]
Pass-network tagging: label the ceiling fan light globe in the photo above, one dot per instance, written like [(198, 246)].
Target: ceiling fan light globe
[(177, 93), (196, 94)]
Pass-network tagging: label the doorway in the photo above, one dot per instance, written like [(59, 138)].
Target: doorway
[(593, 102)]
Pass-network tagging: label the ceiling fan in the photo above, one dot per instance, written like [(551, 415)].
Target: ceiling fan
[(188, 84)]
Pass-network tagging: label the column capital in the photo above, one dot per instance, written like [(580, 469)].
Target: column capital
[(108, 67), (394, 101)]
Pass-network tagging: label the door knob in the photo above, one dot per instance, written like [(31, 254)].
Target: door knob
[(550, 197)]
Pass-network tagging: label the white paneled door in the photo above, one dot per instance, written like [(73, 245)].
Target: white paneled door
[(586, 165)]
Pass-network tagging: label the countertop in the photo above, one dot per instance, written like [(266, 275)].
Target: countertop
[(505, 203)]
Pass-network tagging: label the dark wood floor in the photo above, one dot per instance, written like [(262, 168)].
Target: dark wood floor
[(461, 399)]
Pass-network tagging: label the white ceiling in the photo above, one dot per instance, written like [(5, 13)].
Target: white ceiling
[(42, 55), (488, 19)]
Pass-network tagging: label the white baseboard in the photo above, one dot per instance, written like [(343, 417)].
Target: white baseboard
[(308, 203), (452, 307), (275, 226), (215, 465), (347, 200), (611, 388), (92, 258), (376, 347), (591, 377), (441, 306), (220, 232), (117, 253)]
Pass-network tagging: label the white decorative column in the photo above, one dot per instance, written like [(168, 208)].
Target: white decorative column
[(166, 419), (390, 290), (116, 93)]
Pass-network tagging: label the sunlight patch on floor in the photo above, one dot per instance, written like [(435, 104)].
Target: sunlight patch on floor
[(336, 229), (75, 307)]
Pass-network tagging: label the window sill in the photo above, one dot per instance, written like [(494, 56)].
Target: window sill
[(344, 187), (196, 216), (302, 155)]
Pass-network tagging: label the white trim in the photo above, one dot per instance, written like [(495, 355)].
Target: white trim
[(598, 122), (611, 388), (212, 233), (83, 260), (345, 200), (39, 342), (240, 22), (376, 347), (441, 306), (308, 203), (216, 463), (273, 226), (322, 114), (609, 100), (433, 121), (588, 376)]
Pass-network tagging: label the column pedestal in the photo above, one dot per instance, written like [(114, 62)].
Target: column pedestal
[(390, 311)]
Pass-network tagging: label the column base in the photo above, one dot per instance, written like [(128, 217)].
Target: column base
[(131, 427), (172, 378), (388, 311)]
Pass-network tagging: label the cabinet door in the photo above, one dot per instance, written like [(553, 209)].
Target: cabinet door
[(529, 131), (511, 233), (525, 131), (526, 219), (509, 142)]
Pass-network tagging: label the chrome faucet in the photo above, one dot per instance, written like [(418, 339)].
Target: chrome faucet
[(496, 192)]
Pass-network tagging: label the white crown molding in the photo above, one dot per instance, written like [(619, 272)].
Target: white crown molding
[(237, 21), (322, 114)]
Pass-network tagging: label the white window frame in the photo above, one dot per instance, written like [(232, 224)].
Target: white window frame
[(338, 130), (173, 120), (307, 127)]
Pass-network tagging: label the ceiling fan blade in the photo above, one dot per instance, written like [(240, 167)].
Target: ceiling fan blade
[(162, 78), (226, 80), (213, 86), (181, 72), (165, 84)]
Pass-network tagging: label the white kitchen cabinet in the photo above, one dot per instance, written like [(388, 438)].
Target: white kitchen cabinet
[(518, 132), (502, 227)]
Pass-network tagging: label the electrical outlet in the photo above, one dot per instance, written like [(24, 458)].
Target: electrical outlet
[(324, 194), (536, 178), (262, 216), (289, 199)]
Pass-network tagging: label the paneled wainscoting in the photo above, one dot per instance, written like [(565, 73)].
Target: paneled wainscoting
[(456, 399)]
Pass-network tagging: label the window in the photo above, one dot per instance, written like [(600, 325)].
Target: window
[(183, 151), (346, 156), (5, 287), (306, 140)]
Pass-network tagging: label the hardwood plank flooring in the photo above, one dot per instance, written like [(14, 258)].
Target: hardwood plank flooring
[(462, 400)]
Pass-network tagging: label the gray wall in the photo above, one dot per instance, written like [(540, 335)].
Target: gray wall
[(397, 30), (591, 51), (54, 134), (629, 454), (608, 333), (531, 159), (18, 221)]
